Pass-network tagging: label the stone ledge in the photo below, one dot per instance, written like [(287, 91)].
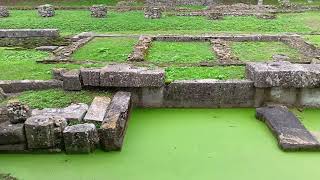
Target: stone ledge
[(16, 86), (25, 33), (209, 93)]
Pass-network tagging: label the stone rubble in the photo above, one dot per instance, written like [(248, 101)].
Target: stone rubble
[(140, 49), (98, 11), (46, 10), (4, 12), (18, 112), (152, 13), (223, 51)]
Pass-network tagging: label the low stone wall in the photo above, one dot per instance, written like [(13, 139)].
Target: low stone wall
[(26, 85)]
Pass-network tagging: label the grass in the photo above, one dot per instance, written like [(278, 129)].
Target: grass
[(56, 98), (57, 2), (21, 64), (313, 39), (218, 72), (180, 52), (305, 2), (106, 49), (262, 51), (72, 22)]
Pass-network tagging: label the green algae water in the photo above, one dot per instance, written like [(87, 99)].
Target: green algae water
[(179, 144)]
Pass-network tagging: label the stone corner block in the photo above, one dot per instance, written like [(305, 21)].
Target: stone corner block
[(90, 76), (72, 80)]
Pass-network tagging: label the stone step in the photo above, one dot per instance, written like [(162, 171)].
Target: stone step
[(113, 128), (290, 132)]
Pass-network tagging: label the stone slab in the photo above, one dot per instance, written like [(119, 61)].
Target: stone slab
[(97, 110), (125, 75), (80, 138), (290, 132), (11, 133), (72, 80), (24, 33), (90, 76), (73, 113), (47, 48), (16, 86), (13, 148), (283, 74), (209, 93), (113, 128)]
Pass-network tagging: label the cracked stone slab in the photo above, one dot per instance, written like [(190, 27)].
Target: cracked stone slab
[(97, 110), (290, 132), (113, 128), (73, 113), (283, 74), (125, 75)]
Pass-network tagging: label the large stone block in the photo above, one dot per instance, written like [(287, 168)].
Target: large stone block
[(27, 33), (13, 148), (97, 110), (72, 80), (80, 138), (125, 75), (151, 97), (73, 114), (280, 95), (113, 128), (27, 85), (283, 74), (11, 133), (290, 132), (90, 77), (210, 93), (310, 97), (44, 131)]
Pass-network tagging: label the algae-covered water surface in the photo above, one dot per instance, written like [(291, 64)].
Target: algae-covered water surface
[(179, 144)]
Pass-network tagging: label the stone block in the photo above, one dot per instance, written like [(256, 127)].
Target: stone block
[(4, 12), (152, 97), (97, 110), (215, 16), (57, 73), (28, 33), (98, 11), (72, 80), (13, 148), (46, 10), (209, 93), (73, 114), (287, 96), (2, 95), (3, 114), (125, 75), (27, 85), (283, 74), (11, 133), (90, 77), (290, 132), (113, 128), (18, 112), (44, 131), (80, 138), (47, 48), (310, 97), (152, 13)]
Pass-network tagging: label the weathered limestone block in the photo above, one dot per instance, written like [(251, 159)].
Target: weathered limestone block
[(26, 85), (210, 93), (280, 95), (3, 114), (214, 16), (18, 112), (13, 148), (152, 13), (57, 73), (80, 138), (28, 33), (113, 128), (90, 76), (151, 97), (44, 131), (47, 48), (125, 75), (12, 133), (72, 80), (140, 49), (46, 10), (290, 132), (97, 110), (4, 12), (73, 114), (2, 94), (310, 97), (283, 74), (98, 11)]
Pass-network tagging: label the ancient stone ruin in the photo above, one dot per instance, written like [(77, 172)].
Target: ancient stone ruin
[(46, 10), (4, 12), (98, 11), (152, 13)]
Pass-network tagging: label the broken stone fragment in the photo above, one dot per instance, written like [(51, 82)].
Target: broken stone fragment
[(11, 133), (80, 138), (97, 110), (98, 11), (44, 131), (73, 114), (46, 10), (4, 12), (72, 81), (290, 132), (113, 128), (152, 13), (18, 112)]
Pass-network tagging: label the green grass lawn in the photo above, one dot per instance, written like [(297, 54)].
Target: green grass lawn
[(313, 39), (262, 51), (218, 72), (305, 2), (57, 2), (21, 64), (112, 49), (180, 52), (56, 98), (72, 22)]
